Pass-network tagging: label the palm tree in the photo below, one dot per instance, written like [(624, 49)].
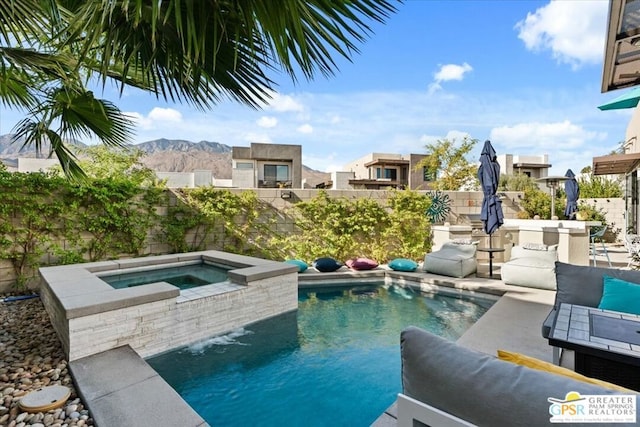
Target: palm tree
[(197, 52)]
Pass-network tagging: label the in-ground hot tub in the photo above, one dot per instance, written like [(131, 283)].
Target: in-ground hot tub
[(183, 275), (91, 316)]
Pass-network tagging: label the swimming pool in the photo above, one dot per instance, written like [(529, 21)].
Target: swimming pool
[(184, 276), (336, 361)]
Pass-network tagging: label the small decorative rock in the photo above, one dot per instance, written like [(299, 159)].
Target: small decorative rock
[(32, 358)]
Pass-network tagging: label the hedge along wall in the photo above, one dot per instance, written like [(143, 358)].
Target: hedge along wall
[(47, 221)]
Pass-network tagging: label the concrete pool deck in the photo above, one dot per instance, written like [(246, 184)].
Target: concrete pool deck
[(116, 397)]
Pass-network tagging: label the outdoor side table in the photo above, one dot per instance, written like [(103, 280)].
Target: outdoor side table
[(491, 251), (606, 344)]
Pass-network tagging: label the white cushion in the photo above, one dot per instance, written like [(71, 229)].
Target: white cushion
[(452, 260), (530, 268)]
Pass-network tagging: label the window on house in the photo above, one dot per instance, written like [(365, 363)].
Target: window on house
[(244, 165), (276, 172), (391, 174), (428, 175)]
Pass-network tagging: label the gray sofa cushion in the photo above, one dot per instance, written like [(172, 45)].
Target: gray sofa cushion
[(477, 387), (582, 285)]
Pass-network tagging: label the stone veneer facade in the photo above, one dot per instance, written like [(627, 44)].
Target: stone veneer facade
[(90, 316)]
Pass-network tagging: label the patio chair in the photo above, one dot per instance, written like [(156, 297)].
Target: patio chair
[(597, 234), (456, 258), (632, 245)]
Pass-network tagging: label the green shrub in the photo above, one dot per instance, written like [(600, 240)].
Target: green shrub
[(342, 228)]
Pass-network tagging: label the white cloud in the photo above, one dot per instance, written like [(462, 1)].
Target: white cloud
[(165, 115), (447, 73), (543, 136), (306, 128), (158, 117), (267, 122), (284, 104), (574, 31), (452, 72), (140, 120), (451, 135)]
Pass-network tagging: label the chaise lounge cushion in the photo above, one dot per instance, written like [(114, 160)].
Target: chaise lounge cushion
[(479, 388), (531, 266), (453, 259)]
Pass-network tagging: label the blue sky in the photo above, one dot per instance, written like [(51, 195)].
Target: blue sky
[(524, 74)]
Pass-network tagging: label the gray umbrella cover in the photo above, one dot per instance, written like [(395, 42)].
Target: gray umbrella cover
[(489, 175), (572, 190)]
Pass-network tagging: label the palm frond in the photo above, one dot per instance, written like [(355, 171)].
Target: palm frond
[(211, 49), (15, 87)]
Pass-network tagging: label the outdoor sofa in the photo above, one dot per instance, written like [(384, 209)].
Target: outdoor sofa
[(581, 285), (444, 384)]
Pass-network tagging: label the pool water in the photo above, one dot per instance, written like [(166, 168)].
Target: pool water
[(334, 362), (184, 276)]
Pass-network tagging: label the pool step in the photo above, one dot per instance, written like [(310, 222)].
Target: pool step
[(121, 389)]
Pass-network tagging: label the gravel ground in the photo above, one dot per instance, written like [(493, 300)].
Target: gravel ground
[(31, 357)]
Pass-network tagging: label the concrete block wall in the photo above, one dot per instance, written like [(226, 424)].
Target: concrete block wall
[(162, 325), (615, 213), (275, 208)]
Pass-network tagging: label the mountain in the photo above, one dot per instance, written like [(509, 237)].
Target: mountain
[(171, 155), (10, 149), (182, 146)]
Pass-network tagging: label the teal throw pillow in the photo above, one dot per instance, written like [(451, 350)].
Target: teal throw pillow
[(302, 266), (403, 264), (620, 295)]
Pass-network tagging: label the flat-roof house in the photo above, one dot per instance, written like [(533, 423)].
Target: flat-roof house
[(384, 170), (532, 166), (267, 166)]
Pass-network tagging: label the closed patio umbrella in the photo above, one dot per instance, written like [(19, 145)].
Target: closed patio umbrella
[(489, 175), (572, 190)]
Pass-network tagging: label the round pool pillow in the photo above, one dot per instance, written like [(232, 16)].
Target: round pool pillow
[(302, 266), (361, 264), (403, 264), (326, 265)]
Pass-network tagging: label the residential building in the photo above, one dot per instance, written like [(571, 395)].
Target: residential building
[(620, 70), (267, 166), (532, 166), (384, 170)]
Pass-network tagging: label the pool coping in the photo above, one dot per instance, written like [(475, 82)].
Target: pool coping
[(80, 291)]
